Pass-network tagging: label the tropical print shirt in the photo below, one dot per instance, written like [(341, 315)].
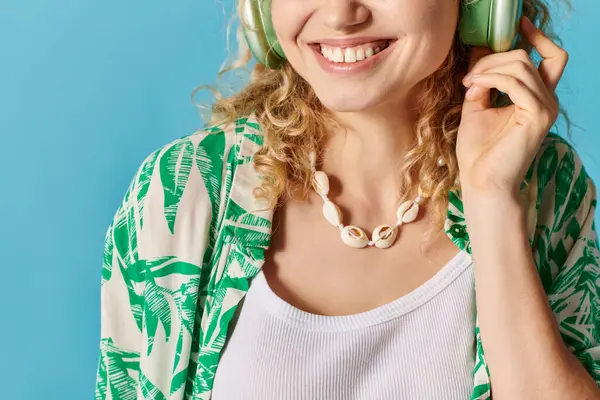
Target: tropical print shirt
[(189, 236)]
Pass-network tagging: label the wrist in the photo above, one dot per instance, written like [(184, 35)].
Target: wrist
[(490, 205)]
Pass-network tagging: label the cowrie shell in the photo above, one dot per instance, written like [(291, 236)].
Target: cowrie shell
[(384, 236), (411, 214), (402, 209), (320, 182), (332, 213), (355, 237)]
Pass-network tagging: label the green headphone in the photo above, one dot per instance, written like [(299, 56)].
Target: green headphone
[(489, 23)]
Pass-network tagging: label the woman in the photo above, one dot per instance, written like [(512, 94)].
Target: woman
[(223, 277)]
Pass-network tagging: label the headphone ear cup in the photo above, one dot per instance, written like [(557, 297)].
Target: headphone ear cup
[(491, 23), (260, 36), (474, 23)]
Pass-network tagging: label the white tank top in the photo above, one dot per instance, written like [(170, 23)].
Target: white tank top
[(419, 346)]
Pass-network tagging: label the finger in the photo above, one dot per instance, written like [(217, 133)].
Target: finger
[(477, 98), (518, 92), (496, 59), (526, 74), (554, 57)]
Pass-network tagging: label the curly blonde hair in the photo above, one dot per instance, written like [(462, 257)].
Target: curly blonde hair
[(293, 121)]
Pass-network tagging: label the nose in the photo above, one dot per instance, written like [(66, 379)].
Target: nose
[(342, 15)]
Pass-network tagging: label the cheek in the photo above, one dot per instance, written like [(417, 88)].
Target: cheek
[(431, 18), (289, 16), (430, 31)]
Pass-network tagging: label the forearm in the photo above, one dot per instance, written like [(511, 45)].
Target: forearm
[(526, 355)]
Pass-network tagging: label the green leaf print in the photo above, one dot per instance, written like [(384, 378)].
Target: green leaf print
[(558, 254), (545, 171), (143, 183), (230, 168), (107, 263), (175, 166), (185, 300), (125, 235), (480, 390), (156, 308), (217, 244), (178, 380), (101, 380), (455, 218), (591, 365), (256, 126), (253, 220), (205, 373), (564, 178), (454, 199), (136, 300), (240, 125), (148, 389), (584, 269), (573, 230), (258, 139), (165, 266), (257, 136), (193, 364), (116, 364), (209, 160), (575, 198), (132, 269), (539, 257)]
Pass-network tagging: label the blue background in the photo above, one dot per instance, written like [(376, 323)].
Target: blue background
[(87, 91)]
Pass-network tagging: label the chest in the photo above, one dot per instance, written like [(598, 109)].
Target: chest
[(309, 267)]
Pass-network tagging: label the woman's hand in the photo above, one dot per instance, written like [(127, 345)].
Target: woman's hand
[(495, 146)]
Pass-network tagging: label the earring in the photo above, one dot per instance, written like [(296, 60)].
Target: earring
[(441, 162)]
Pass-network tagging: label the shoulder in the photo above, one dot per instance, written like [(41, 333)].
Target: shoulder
[(179, 190)]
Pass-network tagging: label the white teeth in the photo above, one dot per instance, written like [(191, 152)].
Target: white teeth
[(349, 55), (338, 56), (360, 55)]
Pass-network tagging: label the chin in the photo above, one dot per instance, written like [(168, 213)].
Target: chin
[(346, 102)]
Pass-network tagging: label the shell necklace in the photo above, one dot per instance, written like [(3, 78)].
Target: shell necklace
[(353, 236)]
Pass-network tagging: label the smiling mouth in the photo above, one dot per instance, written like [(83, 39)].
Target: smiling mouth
[(351, 54)]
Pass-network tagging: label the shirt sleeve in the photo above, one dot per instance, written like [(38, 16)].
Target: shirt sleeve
[(121, 295), (572, 248), (155, 252)]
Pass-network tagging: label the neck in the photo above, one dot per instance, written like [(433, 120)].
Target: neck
[(363, 156)]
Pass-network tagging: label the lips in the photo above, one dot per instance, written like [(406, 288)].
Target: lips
[(347, 69)]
